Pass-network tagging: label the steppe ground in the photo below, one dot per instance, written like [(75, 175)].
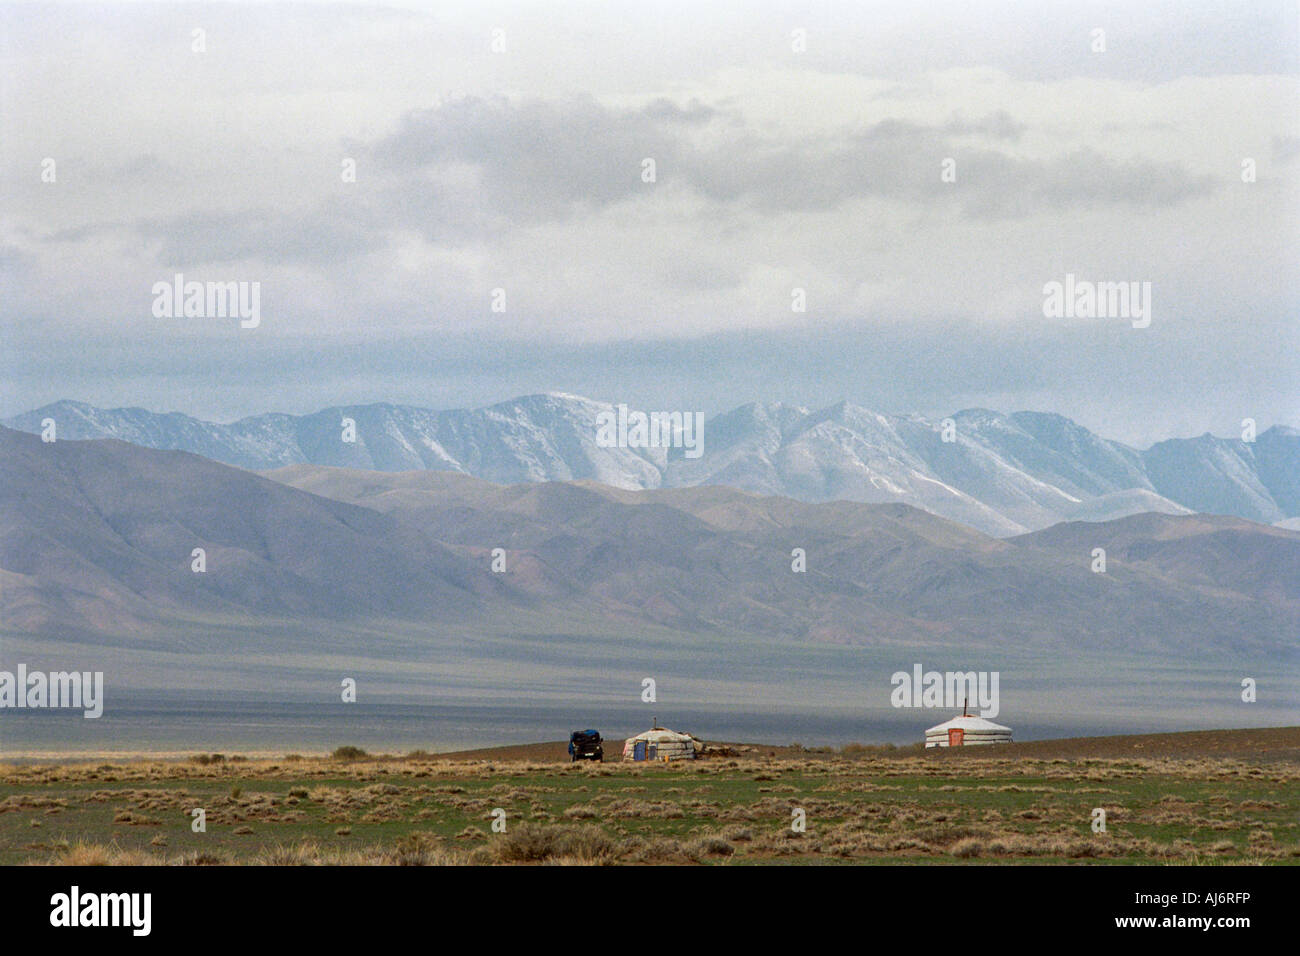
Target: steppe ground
[(1202, 798)]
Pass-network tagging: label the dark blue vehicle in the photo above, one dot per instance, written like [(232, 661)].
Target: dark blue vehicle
[(586, 745)]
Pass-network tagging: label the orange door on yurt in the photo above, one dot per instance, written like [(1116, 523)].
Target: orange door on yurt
[(955, 735)]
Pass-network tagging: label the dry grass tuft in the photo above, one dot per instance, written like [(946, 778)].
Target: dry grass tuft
[(530, 843)]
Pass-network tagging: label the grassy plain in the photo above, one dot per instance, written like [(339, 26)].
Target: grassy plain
[(1218, 797)]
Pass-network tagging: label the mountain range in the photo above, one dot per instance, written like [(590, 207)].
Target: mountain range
[(1002, 474), (97, 538)]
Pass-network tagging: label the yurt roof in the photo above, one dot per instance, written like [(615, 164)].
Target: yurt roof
[(659, 735), (970, 723)]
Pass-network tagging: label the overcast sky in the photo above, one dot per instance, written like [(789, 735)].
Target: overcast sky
[(817, 169)]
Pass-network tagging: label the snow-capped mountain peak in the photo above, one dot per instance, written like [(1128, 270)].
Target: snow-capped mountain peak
[(1002, 474)]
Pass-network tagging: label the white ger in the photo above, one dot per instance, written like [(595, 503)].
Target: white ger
[(661, 744), (965, 731)]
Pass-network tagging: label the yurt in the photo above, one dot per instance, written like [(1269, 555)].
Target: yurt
[(966, 730), (660, 744)]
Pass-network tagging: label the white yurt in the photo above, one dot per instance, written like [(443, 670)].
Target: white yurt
[(967, 730), (659, 743)]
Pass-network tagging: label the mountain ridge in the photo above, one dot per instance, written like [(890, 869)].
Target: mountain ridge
[(97, 537), (1004, 474)]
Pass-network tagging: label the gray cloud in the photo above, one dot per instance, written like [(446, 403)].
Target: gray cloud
[(539, 159), (536, 161), (1082, 179), (325, 234)]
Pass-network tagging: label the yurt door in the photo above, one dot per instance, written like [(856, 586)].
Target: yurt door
[(638, 750), (955, 735), (653, 752)]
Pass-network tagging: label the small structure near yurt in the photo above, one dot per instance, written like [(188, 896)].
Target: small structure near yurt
[(660, 743), (965, 731)]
